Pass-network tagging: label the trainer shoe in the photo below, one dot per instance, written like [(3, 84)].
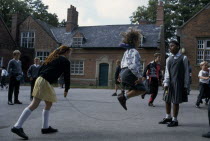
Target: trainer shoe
[(121, 98), (173, 124), (114, 94), (165, 121)]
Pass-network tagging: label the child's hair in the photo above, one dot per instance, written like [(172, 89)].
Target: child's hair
[(56, 53), (131, 37), (203, 63), (16, 52), (118, 62), (156, 55), (36, 58)]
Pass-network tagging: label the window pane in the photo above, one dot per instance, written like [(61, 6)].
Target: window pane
[(200, 55), (200, 44), (208, 44)]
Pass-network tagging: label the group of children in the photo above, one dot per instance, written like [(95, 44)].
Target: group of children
[(129, 75)]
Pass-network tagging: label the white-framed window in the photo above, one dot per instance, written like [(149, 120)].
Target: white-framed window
[(77, 41), (77, 67), (27, 39), (203, 50), (42, 55), (1, 61)]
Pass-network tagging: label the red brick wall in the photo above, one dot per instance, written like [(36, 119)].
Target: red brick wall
[(198, 27), (90, 56)]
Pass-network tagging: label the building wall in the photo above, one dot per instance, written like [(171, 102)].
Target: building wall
[(43, 42), (93, 57), (198, 27)]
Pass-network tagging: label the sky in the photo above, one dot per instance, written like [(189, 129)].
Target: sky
[(96, 12)]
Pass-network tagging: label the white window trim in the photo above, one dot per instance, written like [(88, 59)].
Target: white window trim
[(21, 41), (82, 70), (78, 43), (40, 57), (204, 49)]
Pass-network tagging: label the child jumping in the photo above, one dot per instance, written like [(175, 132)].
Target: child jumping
[(130, 75), (54, 65)]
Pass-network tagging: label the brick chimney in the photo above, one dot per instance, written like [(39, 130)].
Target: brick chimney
[(72, 19), (160, 13), (15, 23)]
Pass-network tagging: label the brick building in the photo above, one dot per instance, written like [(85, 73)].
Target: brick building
[(96, 48), (194, 37)]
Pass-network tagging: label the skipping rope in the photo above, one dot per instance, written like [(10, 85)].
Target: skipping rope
[(100, 119)]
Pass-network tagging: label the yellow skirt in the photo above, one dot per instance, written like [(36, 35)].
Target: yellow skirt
[(43, 90)]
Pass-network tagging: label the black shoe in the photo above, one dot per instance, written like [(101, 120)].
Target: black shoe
[(207, 135), (173, 124), (19, 132), (10, 103), (151, 105), (18, 102), (49, 130), (121, 98), (165, 121), (197, 106), (114, 94), (142, 96)]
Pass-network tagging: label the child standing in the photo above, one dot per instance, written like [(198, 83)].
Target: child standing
[(203, 83), (33, 73), (130, 75), (54, 65), (175, 83)]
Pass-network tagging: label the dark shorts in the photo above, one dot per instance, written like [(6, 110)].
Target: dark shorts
[(128, 80)]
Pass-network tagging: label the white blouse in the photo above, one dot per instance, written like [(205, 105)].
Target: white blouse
[(131, 59)]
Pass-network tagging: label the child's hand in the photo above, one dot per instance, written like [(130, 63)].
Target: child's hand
[(65, 94)]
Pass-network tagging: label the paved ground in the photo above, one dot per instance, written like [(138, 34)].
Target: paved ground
[(94, 115)]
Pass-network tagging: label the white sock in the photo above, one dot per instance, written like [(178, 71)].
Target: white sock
[(25, 114), (174, 119), (168, 116), (126, 96), (45, 119)]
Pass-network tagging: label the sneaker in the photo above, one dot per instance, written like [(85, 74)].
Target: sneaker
[(165, 121), (173, 124), (206, 135), (18, 102), (19, 132), (151, 105), (121, 98), (49, 130), (114, 94)]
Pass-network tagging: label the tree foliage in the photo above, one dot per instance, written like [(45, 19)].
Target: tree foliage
[(35, 8), (176, 12)]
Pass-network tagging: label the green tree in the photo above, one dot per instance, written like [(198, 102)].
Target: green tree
[(176, 12)]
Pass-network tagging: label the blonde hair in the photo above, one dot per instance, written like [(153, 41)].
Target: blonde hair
[(203, 63), (56, 53), (16, 52), (118, 62), (36, 58)]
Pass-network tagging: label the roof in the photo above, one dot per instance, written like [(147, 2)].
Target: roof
[(205, 7), (108, 35), (4, 24), (47, 28)]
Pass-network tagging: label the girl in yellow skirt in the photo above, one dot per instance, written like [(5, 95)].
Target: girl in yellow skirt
[(54, 65)]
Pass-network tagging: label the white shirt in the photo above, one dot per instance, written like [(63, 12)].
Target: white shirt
[(4, 72), (131, 59), (203, 74), (167, 77)]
